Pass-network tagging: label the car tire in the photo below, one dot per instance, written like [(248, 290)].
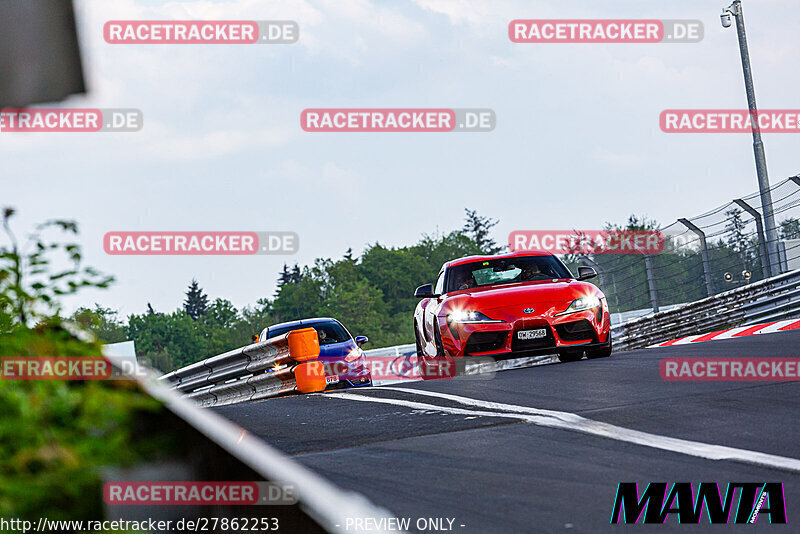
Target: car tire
[(437, 339), (416, 339), (427, 368), (570, 355), (603, 352), (438, 367)]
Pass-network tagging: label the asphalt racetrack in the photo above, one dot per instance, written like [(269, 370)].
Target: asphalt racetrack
[(542, 449)]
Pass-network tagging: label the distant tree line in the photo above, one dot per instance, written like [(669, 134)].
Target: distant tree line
[(371, 295)]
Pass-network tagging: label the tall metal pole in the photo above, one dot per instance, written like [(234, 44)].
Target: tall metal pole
[(758, 146)]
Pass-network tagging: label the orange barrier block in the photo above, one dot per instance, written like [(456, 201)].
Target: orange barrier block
[(303, 344), (310, 377)]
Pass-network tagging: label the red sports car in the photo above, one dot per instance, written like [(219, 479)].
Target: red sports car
[(526, 302)]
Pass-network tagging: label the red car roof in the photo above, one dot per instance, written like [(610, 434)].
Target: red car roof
[(470, 259)]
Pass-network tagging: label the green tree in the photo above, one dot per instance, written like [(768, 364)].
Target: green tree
[(297, 275), (737, 239), (303, 298), (478, 228), (103, 322), (56, 435), (28, 284), (176, 334), (196, 303), (437, 250), (396, 272), (254, 319), (790, 228), (285, 276)]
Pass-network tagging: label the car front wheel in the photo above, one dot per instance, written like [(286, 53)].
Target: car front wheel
[(570, 355), (437, 367), (603, 352)]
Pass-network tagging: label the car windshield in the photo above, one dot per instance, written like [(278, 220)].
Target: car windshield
[(328, 332), (504, 271)]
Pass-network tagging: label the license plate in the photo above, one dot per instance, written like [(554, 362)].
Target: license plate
[(331, 379), (532, 334)]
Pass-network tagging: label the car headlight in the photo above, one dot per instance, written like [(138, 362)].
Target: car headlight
[(582, 304), (467, 317), (353, 356)]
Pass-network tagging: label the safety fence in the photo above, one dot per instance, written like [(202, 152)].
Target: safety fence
[(278, 366), (772, 299), (708, 254)]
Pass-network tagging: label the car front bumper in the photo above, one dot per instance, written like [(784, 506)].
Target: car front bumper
[(579, 330)]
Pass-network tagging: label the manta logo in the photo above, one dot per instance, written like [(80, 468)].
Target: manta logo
[(755, 500), (528, 310)]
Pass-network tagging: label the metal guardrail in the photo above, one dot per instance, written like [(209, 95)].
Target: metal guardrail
[(239, 452), (288, 363), (771, 299), (277, 366)]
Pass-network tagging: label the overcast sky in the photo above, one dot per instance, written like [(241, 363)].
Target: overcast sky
[(577, 141)]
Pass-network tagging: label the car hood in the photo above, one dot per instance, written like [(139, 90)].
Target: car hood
[(523, 293), (336, 350)]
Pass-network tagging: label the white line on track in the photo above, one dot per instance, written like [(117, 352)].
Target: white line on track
[(573, 422)]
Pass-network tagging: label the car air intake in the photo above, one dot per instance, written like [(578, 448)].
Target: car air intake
[(485, 341), (576, 331)]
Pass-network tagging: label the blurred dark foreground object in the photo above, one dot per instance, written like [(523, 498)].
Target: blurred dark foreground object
[(39, 55)]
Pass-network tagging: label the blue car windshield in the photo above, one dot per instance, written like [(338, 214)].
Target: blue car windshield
[(328, 332)]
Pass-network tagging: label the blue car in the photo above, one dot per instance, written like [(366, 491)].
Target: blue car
[(345, 363)]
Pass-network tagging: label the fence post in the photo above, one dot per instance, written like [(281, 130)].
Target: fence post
[(703, 254), (651, 282), (766, 267)]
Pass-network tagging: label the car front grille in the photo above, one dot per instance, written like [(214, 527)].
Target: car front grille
[(533, 344)]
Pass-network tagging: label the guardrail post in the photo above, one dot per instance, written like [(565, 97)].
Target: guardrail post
[(651, 282), (766, 267), (703, 254)]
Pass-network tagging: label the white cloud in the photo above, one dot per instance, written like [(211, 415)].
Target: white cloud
[(222, 123)]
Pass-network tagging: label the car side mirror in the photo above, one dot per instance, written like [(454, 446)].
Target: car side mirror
[(424, 291), (360, 340), (584, 273)]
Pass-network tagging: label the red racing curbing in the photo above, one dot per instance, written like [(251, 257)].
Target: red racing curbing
[(739, 331)]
